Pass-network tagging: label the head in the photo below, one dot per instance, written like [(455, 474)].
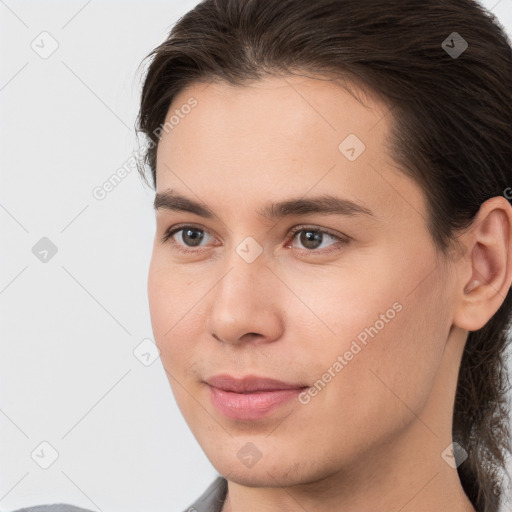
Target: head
[(267, 113)]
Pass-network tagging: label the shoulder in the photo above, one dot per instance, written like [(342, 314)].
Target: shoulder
[(212, 498), (59, 507)]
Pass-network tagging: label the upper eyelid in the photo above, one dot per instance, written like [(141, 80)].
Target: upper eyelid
[(179, 227)]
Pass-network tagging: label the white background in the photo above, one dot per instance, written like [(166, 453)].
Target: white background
[(68, 375)]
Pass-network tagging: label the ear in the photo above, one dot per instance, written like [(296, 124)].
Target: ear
[(485, 273)]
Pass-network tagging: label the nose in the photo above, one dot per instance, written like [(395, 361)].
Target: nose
[(246, 305)]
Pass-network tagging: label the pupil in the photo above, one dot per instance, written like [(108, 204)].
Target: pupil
[(196, 240), (310, 241)]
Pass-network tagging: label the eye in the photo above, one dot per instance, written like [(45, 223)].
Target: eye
[(190, 236), (311, 238)]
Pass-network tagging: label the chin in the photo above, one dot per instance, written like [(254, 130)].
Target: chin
[(262, 477), (268, 471)]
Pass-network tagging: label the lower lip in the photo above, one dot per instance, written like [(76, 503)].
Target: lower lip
[(250, 406)]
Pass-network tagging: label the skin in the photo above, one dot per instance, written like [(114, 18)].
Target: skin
[(372, 439)]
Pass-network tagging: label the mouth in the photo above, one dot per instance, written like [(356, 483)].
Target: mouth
[(251, 397)]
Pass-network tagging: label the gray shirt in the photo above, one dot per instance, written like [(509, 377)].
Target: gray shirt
[(211, 500)]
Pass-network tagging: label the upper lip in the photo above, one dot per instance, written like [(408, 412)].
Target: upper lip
[(249, 383)]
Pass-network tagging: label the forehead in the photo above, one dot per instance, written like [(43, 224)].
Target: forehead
[(282, 135), (278, 111)]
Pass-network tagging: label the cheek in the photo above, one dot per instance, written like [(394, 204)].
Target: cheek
[(391, 344), (170, 321), (171, 310), (331, 307), (177, 302)]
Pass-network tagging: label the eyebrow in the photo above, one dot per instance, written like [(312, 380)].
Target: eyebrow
[(325, 204)]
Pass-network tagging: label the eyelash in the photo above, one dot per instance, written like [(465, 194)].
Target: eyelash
[(291, 236)]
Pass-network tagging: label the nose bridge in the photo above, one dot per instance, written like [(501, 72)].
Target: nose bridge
[(246, 263), (242, 299)]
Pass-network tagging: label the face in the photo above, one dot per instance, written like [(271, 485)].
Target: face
[(335, 298)]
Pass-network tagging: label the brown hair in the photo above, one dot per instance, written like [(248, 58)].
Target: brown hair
[(451, 133)]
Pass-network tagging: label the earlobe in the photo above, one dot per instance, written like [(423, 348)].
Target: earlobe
[(489, 265)]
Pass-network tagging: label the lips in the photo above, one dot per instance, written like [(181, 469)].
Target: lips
[(250, 398), (249, 384)]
